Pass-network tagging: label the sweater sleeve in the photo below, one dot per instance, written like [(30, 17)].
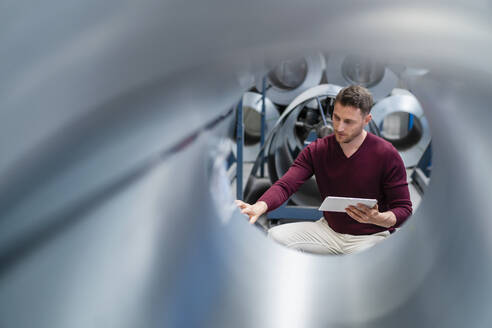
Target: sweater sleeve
[(395, 188), (289, 183)]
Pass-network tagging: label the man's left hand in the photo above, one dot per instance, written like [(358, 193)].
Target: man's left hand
[(365, 214)]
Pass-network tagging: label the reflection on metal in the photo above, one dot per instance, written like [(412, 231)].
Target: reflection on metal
[(357, 69), (362, 71), (413, 145), (90, 89), (289, 74), (409, 75), (291, 78), (252, 116), (395, 126)]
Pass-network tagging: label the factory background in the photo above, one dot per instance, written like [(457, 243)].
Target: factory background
[(118, 121), (291, 106)]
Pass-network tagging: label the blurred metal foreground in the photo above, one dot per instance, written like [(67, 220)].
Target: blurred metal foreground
[(110, 216)]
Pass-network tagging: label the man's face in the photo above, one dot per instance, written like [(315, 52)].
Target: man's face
[(348, 122)]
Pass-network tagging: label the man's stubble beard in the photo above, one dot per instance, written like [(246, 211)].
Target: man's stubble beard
[(346, 141)]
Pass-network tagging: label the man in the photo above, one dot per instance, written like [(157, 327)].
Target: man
[(349, 163)]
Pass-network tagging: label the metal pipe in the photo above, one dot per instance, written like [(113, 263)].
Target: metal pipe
[(90, 90), (239, 145), (263, 127), (321, 110)]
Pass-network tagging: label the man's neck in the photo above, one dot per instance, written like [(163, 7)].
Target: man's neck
[(353, 145)]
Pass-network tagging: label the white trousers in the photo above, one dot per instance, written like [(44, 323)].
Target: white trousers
[(317, 237)]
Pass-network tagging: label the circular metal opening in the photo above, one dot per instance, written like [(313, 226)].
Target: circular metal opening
[(402, 129), (363, 71), (289, 74)]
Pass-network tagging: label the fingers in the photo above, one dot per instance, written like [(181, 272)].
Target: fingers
[(364, 208), (355, 214), (244, 207), (363, 213), (248, 210), (358, 211), (241, 204), (352, 214), (251, 213), (253, 219)]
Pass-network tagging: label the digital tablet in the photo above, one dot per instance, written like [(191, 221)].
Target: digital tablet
[(339, 204)]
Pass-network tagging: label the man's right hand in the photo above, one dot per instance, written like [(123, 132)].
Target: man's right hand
[(253, 211)]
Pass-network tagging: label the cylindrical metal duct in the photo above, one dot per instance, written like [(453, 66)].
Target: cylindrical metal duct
[(412, 146), (290, 78), (93, 93), (252, 103)]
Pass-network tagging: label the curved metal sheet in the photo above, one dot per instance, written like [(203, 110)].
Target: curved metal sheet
[(409, 104), (252, 104)]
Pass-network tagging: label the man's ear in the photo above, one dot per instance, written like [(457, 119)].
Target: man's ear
[(367, 119)]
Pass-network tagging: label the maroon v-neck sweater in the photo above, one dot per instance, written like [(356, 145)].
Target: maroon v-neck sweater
[(375, 170)]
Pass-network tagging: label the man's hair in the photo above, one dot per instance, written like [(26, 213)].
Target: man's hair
[(355, 96)]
